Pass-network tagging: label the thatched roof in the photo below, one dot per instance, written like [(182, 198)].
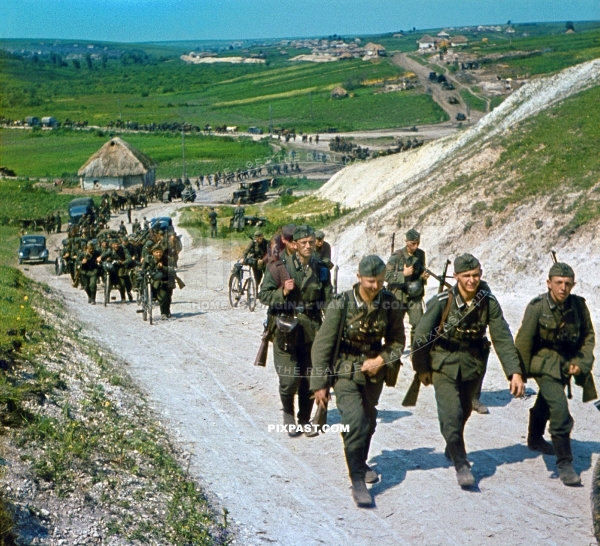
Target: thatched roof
[(338, 92), (115, 159)]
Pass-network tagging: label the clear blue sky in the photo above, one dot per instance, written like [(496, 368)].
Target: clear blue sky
[(157, 20)]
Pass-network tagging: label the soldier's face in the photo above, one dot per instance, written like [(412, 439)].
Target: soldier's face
[(371, 286), (305, 246), (468, 281), (319, 243), (411, 246), (560, 288), (258, 238)]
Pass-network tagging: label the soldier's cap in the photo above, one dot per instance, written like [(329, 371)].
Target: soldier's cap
[(89, 244), (303, 231), (560, 269), (319, 234), (149, 243), (158, 247), (465, 262), (287, 232), (371, 266), (413, 235), (258, 233)]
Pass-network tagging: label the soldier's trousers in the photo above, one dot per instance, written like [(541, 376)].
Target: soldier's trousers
[(258, 275), (213, 230), (164, 295), (552, 404), (293, 369), (89, 283), (414, 309), (357, 405), (454, 399), (122, 283)]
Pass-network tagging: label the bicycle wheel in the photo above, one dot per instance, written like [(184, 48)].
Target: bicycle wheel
[(251, 293), (149, 302), (107, 290), (234, 290), (144, 299)]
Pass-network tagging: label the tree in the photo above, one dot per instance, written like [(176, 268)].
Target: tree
[(104, 60), (76, 64), (88, 60), (570, 25), (508, 22)]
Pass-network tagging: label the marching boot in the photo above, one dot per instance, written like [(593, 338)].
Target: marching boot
[(289, 420), (535, 434), (356, 464), (564, 461), (130, 295), (370, 475), (478, 406), (360, 494), (464, 476)]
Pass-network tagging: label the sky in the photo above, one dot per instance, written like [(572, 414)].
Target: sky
[(169, 20)]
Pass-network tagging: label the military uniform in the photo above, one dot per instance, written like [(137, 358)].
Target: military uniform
[(120, 275), (357, 394), (410, 290), (212, 219), (256, 251), (553, 336), (299, 316), (456, 353), (323, 251), (239, 218), (162, 281), (89, 272)]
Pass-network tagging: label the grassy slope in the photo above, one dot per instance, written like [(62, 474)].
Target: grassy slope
[(63, 152), (199, 94)]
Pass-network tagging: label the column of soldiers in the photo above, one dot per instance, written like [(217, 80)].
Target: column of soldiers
[(352, 343), (123, 260)]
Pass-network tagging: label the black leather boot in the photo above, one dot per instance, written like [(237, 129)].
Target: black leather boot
[(564, 461)]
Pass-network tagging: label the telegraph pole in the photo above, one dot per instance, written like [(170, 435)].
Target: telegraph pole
[(183, 153), (270, 120)]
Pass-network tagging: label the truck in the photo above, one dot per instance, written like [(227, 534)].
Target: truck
[(78, 207), (252, 192)]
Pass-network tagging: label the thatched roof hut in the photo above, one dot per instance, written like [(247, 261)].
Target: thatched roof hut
[(117, 165), (338, 92)]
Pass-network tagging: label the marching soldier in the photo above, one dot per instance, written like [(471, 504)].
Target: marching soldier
[(406, 278), (255, 255), (122, 229), (451, 350), (162, 276), (556, 341), (119, 276), (296, 300), (212, 220), (89, 269), (239, 213), (361, 318), (58, 222), (323, 248), (136, 227)]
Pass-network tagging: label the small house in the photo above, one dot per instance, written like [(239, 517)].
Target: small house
[(458, 41), (426, 42), (117, 166)]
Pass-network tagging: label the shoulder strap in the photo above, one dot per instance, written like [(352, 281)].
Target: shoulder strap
[(446, 312)]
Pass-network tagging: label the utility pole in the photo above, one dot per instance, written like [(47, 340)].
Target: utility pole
[(311, 110), (183, 153), (120, 113), (270, 120)]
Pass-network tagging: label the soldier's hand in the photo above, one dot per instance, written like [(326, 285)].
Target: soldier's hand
[(408, 270), (372, 365), (288, 286), (84, 261), (425, 276), (574, 369), (517, 387), (322, 397), (425, 378)]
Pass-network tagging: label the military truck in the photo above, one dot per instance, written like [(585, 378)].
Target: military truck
[(251, 192), (79, 207)]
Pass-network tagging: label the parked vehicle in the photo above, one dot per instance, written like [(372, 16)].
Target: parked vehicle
[(79, 207), (162, 222), (453, 100), (255, 130), (252, 192), (33, 248), (460, 117)]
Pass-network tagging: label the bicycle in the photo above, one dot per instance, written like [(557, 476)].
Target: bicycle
[(146, 298), (238, 286)]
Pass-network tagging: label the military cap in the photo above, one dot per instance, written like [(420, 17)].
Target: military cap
[(287, 231), (89, 243), (149, 243), (560, 269), (371, 266), (465, 262), (319, 234), (258, 233), (303, 231), (158, 246), (413, 235)]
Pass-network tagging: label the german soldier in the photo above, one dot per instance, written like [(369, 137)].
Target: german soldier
[(451, 351), (556, 341), (121, 258), (296, 299), (163, 279), (212, 219), (364, 363), (323, 248), (255, 255), (88, 263), (406, 278)]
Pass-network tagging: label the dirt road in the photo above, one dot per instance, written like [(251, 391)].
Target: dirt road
[(197, 370)]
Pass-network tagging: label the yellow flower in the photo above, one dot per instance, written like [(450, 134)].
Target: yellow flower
[(25, 298), (18, 318), (22, 307)]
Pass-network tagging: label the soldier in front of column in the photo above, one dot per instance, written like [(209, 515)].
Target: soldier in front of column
[(255, 255), (120, 257), (406, 278), (296, 300), (556, 341), (451, 351), (162, 278), (89, 269), (371, 342)]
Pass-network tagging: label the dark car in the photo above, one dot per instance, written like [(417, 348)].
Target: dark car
[(453, 100), (33, 247), (433, 76), (460, 117), (79, 207), (255, 130), (162, 222)]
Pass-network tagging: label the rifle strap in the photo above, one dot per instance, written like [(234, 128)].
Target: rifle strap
[(444, 315)]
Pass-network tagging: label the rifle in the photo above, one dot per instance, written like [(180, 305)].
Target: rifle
[(393, 241), (77, 276), (267, 336), (441, 278), (180, 283), (554, 258)]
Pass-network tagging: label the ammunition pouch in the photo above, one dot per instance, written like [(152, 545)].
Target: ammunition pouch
[(355, 348), (481, 344), (287, 335)]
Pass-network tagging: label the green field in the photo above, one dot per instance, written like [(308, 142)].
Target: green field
[(474, 102), (61, 153), (291, 95)]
